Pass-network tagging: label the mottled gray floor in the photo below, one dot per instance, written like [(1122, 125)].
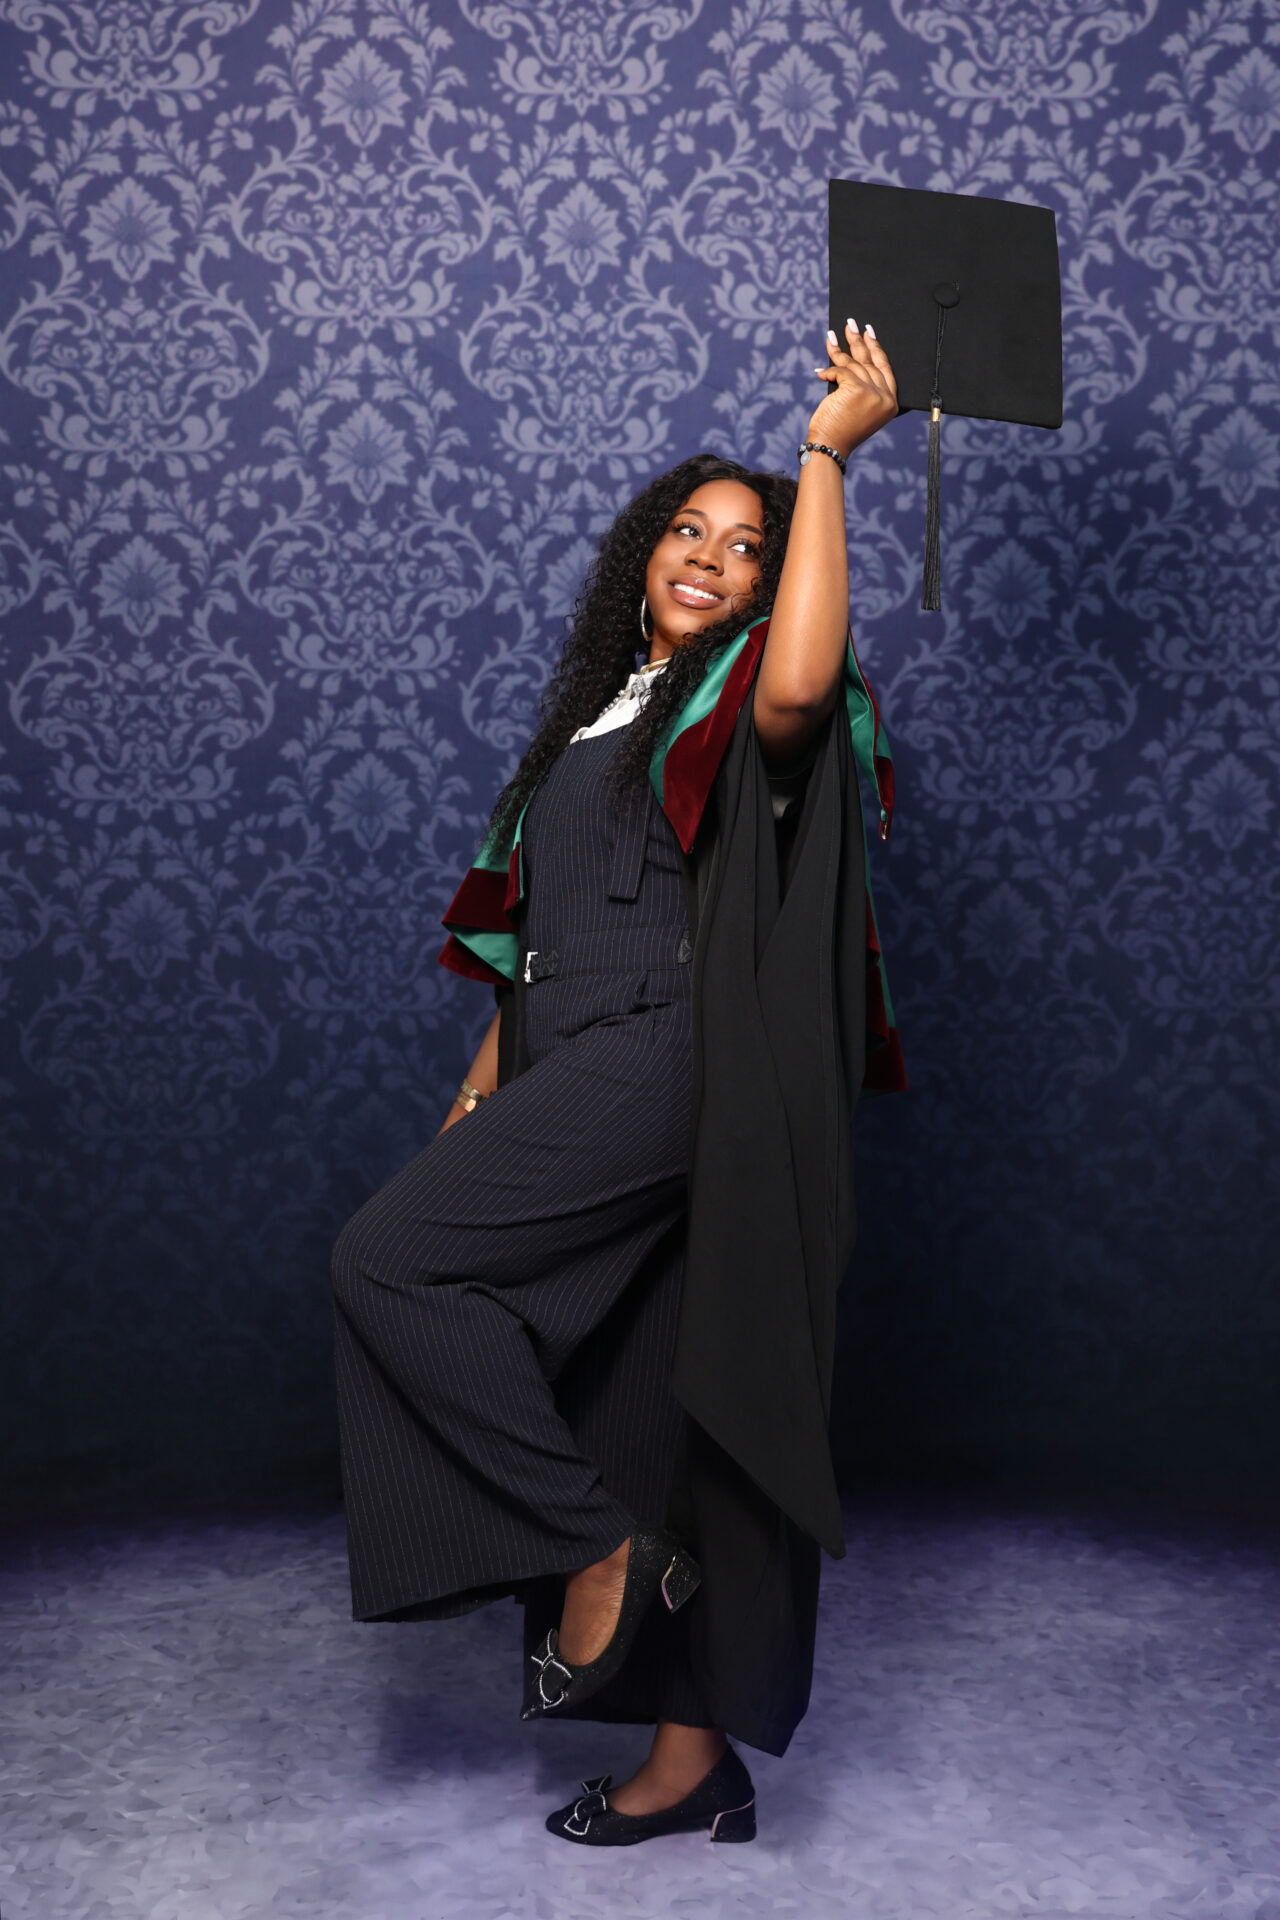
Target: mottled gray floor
[(1013, 1714)]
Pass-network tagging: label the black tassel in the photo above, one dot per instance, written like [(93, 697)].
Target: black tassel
[(946, 295), (931, 591)]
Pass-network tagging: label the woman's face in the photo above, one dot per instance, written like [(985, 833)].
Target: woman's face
[(707, 563)]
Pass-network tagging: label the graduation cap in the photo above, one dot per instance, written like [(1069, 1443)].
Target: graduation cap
[(964, 295)]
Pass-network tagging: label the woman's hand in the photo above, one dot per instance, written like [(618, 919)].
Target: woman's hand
[(804, 655), (862, 392), (482, 1073)]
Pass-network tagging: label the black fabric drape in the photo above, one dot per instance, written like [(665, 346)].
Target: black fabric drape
[(779, 1044), (778, 915)]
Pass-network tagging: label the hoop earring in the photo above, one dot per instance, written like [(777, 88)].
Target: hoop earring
[(647, 633)]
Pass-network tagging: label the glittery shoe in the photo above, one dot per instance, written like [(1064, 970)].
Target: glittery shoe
[(655, 1564), (724, 1801)]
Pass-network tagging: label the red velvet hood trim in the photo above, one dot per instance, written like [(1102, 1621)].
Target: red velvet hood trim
[(884, 783), (693, 758), (481, 902)]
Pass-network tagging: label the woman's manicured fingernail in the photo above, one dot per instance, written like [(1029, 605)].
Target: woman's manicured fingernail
[(870, 331), (852, 325), (822, 369), (831, 335)]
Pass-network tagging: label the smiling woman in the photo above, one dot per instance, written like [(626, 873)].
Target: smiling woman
[(628, 606), (584, 1339), (707, 559)]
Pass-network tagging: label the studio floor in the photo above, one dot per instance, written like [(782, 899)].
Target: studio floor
[(1018, 1709)]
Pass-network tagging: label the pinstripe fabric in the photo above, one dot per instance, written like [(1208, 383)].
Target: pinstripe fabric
[(506, 1304)]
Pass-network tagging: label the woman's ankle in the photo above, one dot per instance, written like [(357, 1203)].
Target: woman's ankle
[(679, 1759), (687, 1753)]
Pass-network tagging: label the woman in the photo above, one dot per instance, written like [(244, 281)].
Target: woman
[(584, 1337)]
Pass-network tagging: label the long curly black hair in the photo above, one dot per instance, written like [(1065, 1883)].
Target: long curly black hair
[(604, 638)]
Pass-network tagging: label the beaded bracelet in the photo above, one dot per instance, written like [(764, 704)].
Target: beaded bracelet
[(814, 446)]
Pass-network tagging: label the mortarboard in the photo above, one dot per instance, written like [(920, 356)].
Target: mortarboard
[(964, 295)]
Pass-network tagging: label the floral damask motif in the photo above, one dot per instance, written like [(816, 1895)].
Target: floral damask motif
[(615, 356), (118, 53), (144, 1066), (1022, 910), (20, 565), (358, 243), (1228, 803), (583, 53), (1203, 928), (584, 384), (347, 930), (373, 597), (148, 727), (140, 372), (797, 99), (1237, 458), (1024, 57), (761, 227), (1208, 601), (1223, 1120), (373, 601), (131, 230), (150, 1070), (138, 585), (1246, 101), (148, 931), (362, 95), (1208, 595), (582, 235), (1011, 590), (154, 736), (367, 454), (1022, 724), (142, 384), (370, 802), (365, 248), (1003, 930), (509, 664), (345, 1119), (1206, 225)]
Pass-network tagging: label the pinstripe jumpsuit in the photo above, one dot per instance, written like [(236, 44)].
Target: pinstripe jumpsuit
[(506, 1305)]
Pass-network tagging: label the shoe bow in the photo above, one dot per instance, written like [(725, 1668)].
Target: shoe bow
[(591, 1803), (547, 1660)]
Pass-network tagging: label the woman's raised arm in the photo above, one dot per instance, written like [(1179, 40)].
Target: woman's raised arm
[(804, 653)]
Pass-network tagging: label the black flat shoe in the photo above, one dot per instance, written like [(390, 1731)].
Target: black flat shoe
[(655, 1564), (724, 1800)]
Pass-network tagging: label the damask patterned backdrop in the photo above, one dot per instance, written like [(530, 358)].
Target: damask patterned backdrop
[(333, 334)]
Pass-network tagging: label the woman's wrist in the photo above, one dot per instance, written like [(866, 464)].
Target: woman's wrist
[(808, 448), (841, 442)]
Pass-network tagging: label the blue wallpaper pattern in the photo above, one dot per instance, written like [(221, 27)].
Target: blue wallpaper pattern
[(332, 334)]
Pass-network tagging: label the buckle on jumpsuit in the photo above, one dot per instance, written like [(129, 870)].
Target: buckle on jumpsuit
[(540, 966)]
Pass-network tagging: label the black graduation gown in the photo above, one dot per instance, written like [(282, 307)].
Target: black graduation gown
[(779, 1036)]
